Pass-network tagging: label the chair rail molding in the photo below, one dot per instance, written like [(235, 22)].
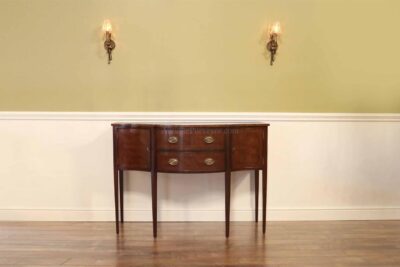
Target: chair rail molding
[(201, 116)]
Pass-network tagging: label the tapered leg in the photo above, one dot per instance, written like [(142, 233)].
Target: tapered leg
[(116, 200), (154, 201), (121, 194), (256, 189), (264, 196), (227, 201)]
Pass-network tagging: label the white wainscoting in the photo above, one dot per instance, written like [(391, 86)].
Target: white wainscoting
[(58, 166)]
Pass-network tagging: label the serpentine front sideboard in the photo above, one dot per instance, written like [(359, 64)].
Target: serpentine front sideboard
[(189, 149)]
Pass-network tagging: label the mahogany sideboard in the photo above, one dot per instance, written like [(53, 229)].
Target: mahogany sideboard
[(189, 149)]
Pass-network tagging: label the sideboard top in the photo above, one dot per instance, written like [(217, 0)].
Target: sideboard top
[(187, 125)]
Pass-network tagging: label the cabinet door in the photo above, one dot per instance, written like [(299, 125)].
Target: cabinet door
[(248, 145), (133, 148)]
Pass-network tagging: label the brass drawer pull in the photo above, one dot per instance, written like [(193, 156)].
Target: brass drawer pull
[(209, 161), (173, 162), (172, 139), (209, 139)]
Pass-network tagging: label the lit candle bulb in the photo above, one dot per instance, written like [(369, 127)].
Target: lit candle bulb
[(276, 28), (107, 27)]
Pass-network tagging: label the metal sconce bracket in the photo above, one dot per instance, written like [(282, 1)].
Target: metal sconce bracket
[(272, 46), (109, 45)]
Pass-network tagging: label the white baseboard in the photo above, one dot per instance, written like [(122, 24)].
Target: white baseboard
[(202, 215)]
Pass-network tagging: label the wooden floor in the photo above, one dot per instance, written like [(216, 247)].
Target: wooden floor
[(354, 243)]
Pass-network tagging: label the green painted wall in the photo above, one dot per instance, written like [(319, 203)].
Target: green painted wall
[(200, 55)]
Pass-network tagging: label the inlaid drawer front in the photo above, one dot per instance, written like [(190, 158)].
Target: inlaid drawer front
[(190, 139), (133, 149), (190, 161)]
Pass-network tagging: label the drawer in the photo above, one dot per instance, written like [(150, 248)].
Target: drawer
[(191, 139), (190, 161)]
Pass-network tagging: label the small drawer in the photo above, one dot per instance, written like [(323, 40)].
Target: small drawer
[(190, 161), (190, 139)]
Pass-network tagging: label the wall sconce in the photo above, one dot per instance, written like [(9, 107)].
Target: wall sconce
[(109, 44), (272, 45)]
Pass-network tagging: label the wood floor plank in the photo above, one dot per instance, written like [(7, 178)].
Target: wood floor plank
[(286, 244)]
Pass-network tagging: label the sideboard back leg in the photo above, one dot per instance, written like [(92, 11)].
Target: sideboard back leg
[(116, 200), (121, 194), (256, 189)]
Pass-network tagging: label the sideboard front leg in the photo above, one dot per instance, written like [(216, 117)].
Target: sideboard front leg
[(264, 180), (227, 201), (154, 201), (116, 200), (264, 196)]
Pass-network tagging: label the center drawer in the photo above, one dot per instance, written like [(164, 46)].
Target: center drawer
[(190, 161), (191, 139)]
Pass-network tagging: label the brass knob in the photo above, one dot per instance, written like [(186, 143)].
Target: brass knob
[(173, 162), (172, 139), (209, 161), (209, 139)]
